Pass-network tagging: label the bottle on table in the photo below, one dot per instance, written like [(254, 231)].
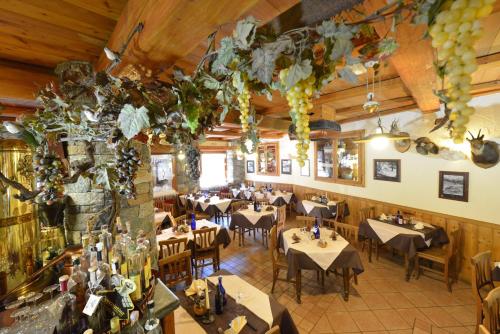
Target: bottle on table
[(68, 322), (219, 302), (103, 269), (152, 324), (114, 324), (116, 277), (98, 318), (193, 222), (85, 257), (135, 268), (316, 230), (134, 327), (222, 290), (144, 245), (80, 279), (106, 238)]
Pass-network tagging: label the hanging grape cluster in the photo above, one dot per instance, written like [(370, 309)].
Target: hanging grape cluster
[(128, 161), (244, 103), (456, 29), (49, 175), (299, 99), (193, 163)]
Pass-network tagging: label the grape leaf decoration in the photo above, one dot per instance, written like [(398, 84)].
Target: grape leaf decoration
[(131, 120)]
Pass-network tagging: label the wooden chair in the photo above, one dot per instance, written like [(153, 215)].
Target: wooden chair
[(205, 248), (366, 213), (491, 310), (181, 220), (280, 225), (443, 255), (235, 206), (306, 221), (483, 330), (340, 211), (176, 268), (349, 233), (482, 282), (198, 215), (182, 208), (274, 330), (278, 261), (263, 201), (171, 246), (309, 196), (226, 195)]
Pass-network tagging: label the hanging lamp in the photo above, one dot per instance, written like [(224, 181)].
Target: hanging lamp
[(371, 106)]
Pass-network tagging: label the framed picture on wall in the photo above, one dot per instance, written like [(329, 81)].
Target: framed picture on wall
[(250, 166), (306, 170), (387, 170), (454, 185), (286, 166)]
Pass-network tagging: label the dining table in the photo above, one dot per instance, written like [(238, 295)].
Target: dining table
[(245, 193), (261, 310), (248, 218), (315, 208), (304, 253), (212, 206), (277, 197), (222, 236), (405, 238)]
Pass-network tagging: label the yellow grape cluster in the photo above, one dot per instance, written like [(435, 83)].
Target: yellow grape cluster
[(244, 102), (456, 29), (299, 99)]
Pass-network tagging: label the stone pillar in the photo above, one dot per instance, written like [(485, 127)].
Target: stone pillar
[(183, 183), (235, 168), (85, 199)]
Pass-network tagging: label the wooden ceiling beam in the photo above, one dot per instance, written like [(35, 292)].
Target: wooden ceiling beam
[(413, 59), (172, 29)]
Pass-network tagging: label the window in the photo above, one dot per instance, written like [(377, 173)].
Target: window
[(339, 159), (213, 170)]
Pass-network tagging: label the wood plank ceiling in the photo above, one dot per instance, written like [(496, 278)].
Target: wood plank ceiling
[(36, 35)]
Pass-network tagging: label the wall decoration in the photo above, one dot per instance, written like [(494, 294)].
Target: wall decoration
[(306, 169), (250, 166), (286, 166), (402, 145), (387, 170), (425, 146), (454, 185), (484, 153)]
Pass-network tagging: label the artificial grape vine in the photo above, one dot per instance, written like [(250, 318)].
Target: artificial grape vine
[(244, 103), (299, 99), (193, 163), (128, 161), (49, 174), (456, 29)]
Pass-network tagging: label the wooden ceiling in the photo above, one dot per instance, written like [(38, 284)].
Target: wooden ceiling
[(36, 35)]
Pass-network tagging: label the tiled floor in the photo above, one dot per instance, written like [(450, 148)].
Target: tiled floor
[(382, 302)]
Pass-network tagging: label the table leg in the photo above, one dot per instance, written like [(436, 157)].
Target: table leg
[(298, 282), (370, 246), (345, 274), (407, 268)]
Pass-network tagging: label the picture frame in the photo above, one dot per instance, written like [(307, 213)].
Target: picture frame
[(250, 166), (387, 170), (306, 170), (286, 166), (454, 185)]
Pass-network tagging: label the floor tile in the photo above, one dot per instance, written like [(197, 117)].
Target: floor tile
[(367, 321)]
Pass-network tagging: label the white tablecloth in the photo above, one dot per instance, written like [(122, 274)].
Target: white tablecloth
[(323, 257), (221, 203), (168, 233), (387, 231), (254, 216), (277, 194), (184, 322), (160, 216), (252, 298)]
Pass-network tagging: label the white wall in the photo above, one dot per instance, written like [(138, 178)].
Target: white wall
[(419, 174)]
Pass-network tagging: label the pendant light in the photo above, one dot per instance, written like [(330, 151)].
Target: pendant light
[(380, 137)]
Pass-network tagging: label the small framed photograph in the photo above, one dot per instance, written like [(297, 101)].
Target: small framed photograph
[(387, 170), (306, 170), (454, 186), (250, 166), (286, 166)]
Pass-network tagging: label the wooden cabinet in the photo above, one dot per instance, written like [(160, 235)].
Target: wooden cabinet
[(267, 159), (339, 159)]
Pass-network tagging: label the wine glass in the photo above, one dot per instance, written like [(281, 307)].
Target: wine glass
[(240, 296)]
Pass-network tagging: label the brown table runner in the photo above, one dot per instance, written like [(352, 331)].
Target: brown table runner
[(281, 316), (321, 211), (239, 220)]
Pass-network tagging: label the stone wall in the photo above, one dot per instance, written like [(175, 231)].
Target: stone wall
[(183, 183), (235, 168), (85, 199)]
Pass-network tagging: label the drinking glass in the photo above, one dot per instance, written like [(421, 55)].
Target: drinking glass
[(240, 296)]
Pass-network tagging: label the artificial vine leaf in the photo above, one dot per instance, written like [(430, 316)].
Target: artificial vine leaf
[(209, 81), (192, 115), (244, 34), (238, 82), (343, 44), (224, 56), (223, 114), (298, 72), (131, 121), (264, 59), (327, 29), (348, 75), (103, 177), (387, 47)]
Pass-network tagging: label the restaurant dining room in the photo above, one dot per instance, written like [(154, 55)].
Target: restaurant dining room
[(249, 166)]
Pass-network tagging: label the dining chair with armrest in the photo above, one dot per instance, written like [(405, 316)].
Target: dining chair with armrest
[(277, 259), (176, 268), (482, 281), (350, 234), (235, 206), (205, 248), (491, 310), (171, 246)]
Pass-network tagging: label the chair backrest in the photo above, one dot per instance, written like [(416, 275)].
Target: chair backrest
[(262, 201), (176, 268), (205, 238), (309, 196), (225, 195), (235, 206), (306, 220), (281, 218), (274, 330), (172, 246), (179, 202), (483, 330), (453, 245), (181, 219), (482, 282), (491, 311), (273, 246), (340, 211), (348, 232), (367, 213)]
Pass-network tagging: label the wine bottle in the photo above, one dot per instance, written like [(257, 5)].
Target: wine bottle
[(67, 302), (106, 239), (114, 324), (144, 245), (135, 268), (222, 290), (316, 230), (193, 222), (219, 307), (98, 318), (103, 269), (134, 327), (80, 279), (152, 325)]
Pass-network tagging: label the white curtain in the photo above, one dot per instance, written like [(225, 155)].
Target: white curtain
[(213, 170)]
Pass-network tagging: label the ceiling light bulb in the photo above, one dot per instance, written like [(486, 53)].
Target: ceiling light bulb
[(380, 142), (181, 156), (249, 145), (371, 106)]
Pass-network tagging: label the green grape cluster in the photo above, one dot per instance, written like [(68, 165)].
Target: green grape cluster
[(299, 99), (193, 158), (454, 33), (244, 103), (128, 161), (49, 175)]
